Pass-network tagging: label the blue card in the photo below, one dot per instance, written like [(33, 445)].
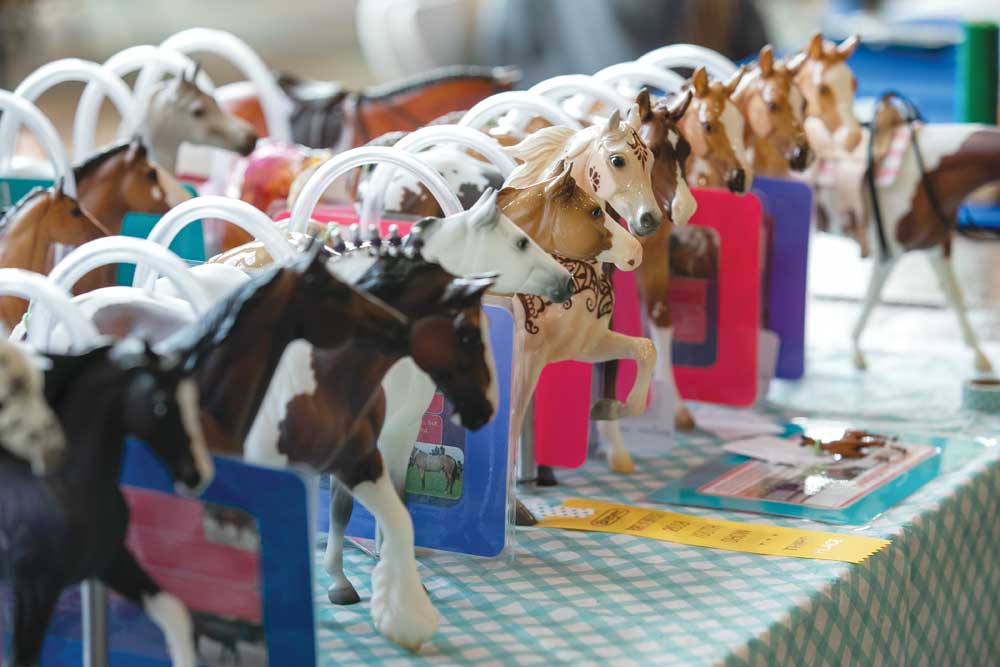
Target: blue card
[(468, 512), (787, 206), (12, 190), (241, 560)]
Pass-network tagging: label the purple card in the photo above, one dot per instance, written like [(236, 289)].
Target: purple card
[(787, 208)]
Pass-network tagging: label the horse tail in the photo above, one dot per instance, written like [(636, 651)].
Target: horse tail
[(537, 152)]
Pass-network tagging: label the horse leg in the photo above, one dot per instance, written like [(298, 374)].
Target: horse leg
[(34, 601), (880, 273), (400, 607), (953, 292), (663, 338), (395, 443), (341, 591), (127, 578)]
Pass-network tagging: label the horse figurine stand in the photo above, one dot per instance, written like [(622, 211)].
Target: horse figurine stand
[(690, 56), (23, 112)]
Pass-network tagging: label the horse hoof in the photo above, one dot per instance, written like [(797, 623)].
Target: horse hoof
[(620, 462), (683, 420), (983, 364), (607, 409), (546, 476), (859, 360), (343, 595), (523, 516), (400, 607)]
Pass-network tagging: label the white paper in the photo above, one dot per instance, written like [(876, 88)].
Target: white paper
[(776, 450)]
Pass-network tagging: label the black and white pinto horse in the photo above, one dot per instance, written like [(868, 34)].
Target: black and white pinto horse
[(69, 526)]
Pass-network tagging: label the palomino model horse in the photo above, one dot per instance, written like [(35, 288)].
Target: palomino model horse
[(326, 115), (28, 428), (110, 184), (772, 107), (177, 111), (70, 525), (912, 207)]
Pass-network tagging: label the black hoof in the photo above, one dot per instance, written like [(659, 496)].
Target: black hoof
[(607, 409), (546, 476), (343, 596), (523, 516)]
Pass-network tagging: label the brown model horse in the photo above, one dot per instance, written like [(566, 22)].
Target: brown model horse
[(46, 222), (716, 131), (772, 105), (326, 115), (828, 86)]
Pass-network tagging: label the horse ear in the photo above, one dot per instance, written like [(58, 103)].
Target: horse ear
[(634, 118), (485, 211), (847, 47), (793, 65), (644, 104), (614, 120), (815, 49), (734, 80), (766, 60), (468, 290), (563, 185), (679, 105), (699, 81), (136, 151)]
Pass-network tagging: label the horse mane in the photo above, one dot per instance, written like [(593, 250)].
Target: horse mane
[(390, 275), (208, 332), (537, 151), (81, 170), (497, 76)]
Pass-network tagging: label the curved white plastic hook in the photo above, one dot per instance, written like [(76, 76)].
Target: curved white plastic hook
[(23, 111), (36, 287), (122, 64), (560, 87), (340, 164), (276, 106), (61, 71), (495, 106), (240, 213), (690, 56), (641, 74), (426, 137)]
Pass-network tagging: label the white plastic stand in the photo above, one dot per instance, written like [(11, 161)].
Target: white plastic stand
[(690, 56), (20, 111)]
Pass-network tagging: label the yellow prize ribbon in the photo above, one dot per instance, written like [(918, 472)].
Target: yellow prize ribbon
[(715, 533)]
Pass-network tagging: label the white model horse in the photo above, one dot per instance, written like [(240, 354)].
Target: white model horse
[(28, 428), (609, 160), (919, 207)]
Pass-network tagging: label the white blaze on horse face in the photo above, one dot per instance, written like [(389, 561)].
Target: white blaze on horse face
[(840, 80), (625, 251), (683, 205), (190, 409), (735, 126)]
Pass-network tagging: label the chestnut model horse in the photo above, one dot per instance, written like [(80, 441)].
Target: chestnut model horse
[(48, 222), (327, 115), (772, 106)]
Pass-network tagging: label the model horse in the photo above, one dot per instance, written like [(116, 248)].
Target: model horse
[(327, 115), (772, 107), (556, 214), (610, 159), (917, 208), (29, 429), (109, 185), (178, 111), (70, 525), (716, 130)]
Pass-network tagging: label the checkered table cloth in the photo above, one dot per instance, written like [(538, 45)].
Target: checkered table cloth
[(572, 598)]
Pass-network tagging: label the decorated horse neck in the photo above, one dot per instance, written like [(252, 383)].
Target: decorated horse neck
[(592, 290)]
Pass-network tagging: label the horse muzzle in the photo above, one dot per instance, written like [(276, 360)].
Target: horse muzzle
[(736, 181), (562, 292), (800, 157), (475, 414), (647, 224)]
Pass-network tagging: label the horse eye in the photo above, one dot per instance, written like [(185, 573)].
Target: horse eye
[(708, 126), (152, 176), (824, 89), (617, 161), (597, 213), (198, 112), (522, 243), (773, 107)]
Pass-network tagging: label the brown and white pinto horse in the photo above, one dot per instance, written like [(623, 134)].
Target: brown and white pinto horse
[(717, 133), (940, 166), (772, 106), (326, 115), (110, 184)]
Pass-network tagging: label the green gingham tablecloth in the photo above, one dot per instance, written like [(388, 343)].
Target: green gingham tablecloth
[(573, 598)]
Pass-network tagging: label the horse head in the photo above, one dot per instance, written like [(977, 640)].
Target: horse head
[(484, 239), (160, 406), (670, 151), (828, 86), (178, 111), (772, 105), (715, 128), (565, 220)]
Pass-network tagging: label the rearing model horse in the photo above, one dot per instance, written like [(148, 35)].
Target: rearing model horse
[(110, 184), (941, 165)]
